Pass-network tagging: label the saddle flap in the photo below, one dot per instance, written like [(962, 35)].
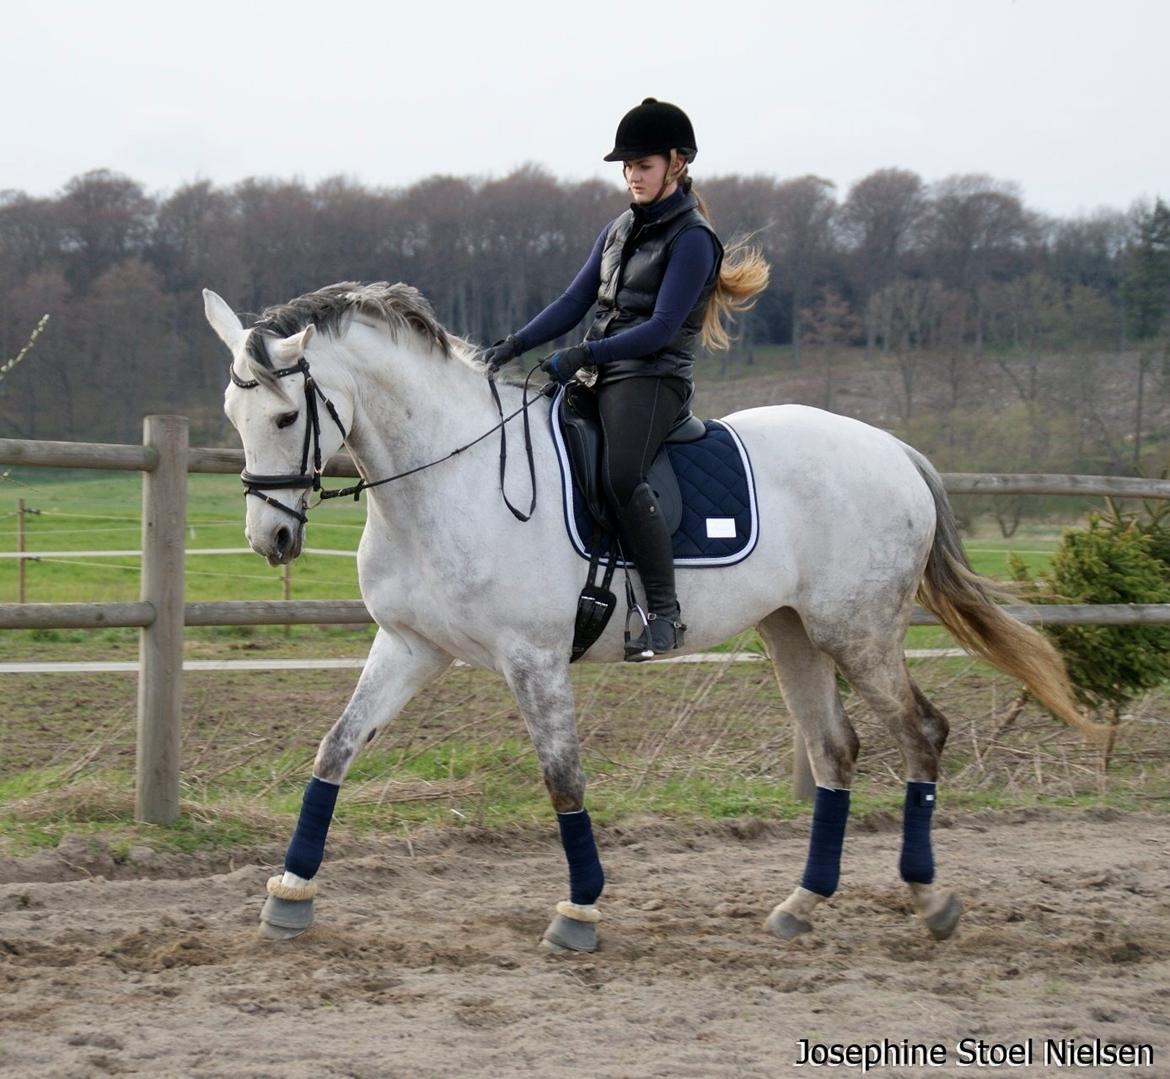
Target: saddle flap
[(580, 424)]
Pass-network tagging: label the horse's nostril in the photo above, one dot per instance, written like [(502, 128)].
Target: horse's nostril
[(283, 540)]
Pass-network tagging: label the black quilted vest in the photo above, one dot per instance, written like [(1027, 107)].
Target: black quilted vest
[(633, 262)]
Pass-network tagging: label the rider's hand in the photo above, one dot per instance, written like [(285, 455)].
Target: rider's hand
[(561, 366), (500, 353)]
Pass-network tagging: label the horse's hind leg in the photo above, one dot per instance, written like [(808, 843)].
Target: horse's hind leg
[(808, 680), (878, 672), (540, 682), (399, 664)]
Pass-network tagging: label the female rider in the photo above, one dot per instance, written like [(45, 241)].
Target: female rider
[(660, 279)]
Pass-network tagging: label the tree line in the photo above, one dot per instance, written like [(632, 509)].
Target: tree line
[(904, 268)]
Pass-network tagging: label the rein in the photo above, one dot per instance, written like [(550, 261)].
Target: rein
[(256, 485)]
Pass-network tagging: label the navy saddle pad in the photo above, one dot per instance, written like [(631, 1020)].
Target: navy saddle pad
[(718, 524)]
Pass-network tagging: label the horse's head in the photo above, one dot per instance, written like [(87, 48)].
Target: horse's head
[(290, 425)]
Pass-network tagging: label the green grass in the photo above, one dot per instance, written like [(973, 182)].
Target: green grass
[(38, 809), (103, 512)]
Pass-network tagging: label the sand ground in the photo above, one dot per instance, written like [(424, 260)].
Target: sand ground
[(423, 961)]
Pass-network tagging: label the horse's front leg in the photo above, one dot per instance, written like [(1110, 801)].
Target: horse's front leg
[(540, 681), (400, 663)]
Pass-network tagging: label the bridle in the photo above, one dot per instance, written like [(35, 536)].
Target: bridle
[(256, 485)]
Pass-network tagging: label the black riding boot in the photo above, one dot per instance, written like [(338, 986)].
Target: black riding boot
[(648, 543)]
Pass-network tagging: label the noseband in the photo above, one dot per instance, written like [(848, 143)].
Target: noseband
[(257, 485)]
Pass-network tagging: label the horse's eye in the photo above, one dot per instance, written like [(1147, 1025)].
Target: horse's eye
[(287, 419)]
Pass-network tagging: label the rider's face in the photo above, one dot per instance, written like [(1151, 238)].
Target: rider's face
[(644, 176)]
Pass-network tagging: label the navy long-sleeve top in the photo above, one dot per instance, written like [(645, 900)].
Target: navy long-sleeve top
[(691, 259)]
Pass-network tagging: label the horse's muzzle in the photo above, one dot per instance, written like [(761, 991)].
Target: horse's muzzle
[(283, 545)]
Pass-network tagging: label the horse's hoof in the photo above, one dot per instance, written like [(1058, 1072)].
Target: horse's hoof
[(568, 935), (943, 921), (786, 926), (283, 919)]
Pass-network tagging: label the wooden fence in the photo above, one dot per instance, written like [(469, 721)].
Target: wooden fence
[(160, 614)]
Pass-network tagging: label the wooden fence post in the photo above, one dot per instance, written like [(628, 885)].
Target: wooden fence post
[(286, 591), (160, 651)]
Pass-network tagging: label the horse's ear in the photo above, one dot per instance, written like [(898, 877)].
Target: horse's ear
[(289, 349), (223, 319)]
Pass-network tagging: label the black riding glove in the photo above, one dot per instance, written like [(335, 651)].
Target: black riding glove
[(561, 366), (500, 353)]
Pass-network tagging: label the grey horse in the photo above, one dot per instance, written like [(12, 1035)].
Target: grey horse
[(853, 526)]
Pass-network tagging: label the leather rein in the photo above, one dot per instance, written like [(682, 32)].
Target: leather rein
[(256, 485)]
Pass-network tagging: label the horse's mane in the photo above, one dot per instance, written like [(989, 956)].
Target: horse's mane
[(398, 306)]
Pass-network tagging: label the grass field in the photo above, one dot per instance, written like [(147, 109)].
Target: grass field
[(708, 741), (103, 512)]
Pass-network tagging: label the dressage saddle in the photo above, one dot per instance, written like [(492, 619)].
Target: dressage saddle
[(580, 423)]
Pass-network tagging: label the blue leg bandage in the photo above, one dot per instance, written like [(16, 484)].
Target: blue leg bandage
[(307, 847), (586, 878), (917, 862), (823, 868)]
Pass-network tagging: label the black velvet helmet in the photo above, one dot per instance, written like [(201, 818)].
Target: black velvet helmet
[(654, 127)]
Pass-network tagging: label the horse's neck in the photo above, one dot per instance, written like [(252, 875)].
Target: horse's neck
[(413, 406)]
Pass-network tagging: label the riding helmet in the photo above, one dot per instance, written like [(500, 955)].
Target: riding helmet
[(654, 127)]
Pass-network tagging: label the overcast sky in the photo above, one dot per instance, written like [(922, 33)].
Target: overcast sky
[(1067, 97)]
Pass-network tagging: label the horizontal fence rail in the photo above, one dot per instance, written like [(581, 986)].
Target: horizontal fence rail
[(112, 456), (160, 615), (975, 483), (317, 612)]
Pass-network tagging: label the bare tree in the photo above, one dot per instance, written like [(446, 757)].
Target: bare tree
[(909, 308), (1147, 287), (877, 221), (802, 214), (829, 325), (976, 229), (106, 218)]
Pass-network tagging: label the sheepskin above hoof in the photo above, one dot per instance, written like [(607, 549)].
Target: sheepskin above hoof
[(288, 910)]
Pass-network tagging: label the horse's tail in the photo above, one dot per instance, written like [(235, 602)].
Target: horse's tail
[(963, 601)]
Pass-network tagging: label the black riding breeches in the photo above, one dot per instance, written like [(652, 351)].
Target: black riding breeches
[(636, 415)]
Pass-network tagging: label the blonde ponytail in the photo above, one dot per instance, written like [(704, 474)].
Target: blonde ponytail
[(742, 277)]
